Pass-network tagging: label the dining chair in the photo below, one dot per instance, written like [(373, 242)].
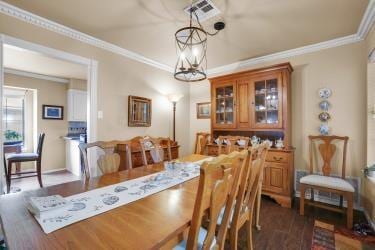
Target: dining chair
[(201, 141), (229, 143), (215, 182), (245, 204), (108, 159), (154, 146), (325, 182), (25, 157)]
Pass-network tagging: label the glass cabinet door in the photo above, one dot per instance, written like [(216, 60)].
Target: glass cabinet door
[(267, 103), (224, 103)]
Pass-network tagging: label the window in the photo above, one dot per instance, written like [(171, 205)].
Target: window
[(14, 115)]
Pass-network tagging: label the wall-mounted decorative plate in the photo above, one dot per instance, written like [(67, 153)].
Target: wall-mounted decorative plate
[(324, 116), (324, 129), (325, 93), (324, 105)]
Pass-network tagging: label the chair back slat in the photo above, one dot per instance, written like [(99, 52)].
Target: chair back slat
[(201, 142), (214, 187), (327, 151), (154, 146), (109, 162), (229, 143)]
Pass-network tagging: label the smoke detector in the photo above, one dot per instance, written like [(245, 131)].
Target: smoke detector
[(204, 9)]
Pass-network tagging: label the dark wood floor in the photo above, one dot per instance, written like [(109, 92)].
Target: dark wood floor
[(284, 228)]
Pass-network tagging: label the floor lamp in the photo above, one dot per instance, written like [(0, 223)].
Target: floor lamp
[(174, 98)]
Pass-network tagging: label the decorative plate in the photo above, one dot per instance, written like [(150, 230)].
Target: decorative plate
[(324, 116), (324, 129), (325, 93), (324, 105)]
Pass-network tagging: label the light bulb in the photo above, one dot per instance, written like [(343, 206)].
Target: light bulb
[(195, 52)]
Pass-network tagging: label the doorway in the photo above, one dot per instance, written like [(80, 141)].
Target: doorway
[(29, 97)]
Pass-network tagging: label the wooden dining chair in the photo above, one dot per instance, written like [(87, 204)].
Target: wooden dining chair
[(201, 141), (153, 145), (109, 162), (229, 143), (25, 157), (215, 182), (325, 182), (245, 204)]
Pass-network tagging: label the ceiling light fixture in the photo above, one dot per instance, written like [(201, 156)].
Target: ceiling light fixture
[(191, 45)]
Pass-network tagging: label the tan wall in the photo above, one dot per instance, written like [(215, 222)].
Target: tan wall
[(51, 93), (369, 183), (341, 69), (77, 84), (118, 77)]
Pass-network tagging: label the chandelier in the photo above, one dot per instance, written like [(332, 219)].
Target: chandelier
[(191, 45)]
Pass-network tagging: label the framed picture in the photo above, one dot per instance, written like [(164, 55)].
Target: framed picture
[(139, 111), (204, 110), (53, 112)]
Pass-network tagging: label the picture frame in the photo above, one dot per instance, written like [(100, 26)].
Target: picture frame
[(52, 112), (139, 111), (204, 110)]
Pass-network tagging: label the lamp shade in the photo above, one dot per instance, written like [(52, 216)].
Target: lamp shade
[(175, 97)]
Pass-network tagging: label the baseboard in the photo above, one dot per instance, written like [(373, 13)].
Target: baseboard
[(53, 170)]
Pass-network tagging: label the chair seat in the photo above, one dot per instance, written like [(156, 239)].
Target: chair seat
[(23, 157), (201, 238), (327, 182)]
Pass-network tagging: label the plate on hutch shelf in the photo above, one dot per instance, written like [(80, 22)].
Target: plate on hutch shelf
[(324, 105), (325, 93)]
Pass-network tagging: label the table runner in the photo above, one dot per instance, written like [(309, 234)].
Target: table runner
[(97, 201)]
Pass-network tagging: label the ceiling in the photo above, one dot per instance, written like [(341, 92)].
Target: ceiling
[(253, 27), (38, 63)]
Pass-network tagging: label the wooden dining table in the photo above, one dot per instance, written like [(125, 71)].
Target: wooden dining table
[(155, 222)]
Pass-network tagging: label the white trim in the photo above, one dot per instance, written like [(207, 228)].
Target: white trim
[(92, 114), (367, 20), (368, 218), (285, 54), (363, 29), (31, 18), (35, 75)]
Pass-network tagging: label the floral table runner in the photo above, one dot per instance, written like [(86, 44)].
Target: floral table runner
[(97, 201)]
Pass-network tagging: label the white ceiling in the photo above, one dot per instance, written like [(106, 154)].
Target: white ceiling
[(253, 27), (29, 61)]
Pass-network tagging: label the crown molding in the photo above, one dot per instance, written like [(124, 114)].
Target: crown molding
[(367, 20), (31, 18), (364, 28), (284, 54), (36, 75)]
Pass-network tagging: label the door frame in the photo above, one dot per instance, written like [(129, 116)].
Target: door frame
[(92, 84)]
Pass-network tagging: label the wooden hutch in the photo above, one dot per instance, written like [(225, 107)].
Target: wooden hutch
[(258, 102)]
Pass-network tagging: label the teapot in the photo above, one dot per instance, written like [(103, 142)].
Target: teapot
[(279, 143), (268, 142), (254, 140)]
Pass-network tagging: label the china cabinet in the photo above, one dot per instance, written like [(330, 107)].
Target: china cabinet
[(258, 103)]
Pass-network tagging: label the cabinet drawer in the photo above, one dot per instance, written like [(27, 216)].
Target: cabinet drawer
[(280, 157)]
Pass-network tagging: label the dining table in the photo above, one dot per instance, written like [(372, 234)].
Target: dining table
[(158, 221)]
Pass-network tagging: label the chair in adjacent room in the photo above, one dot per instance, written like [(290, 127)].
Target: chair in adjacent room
[(25, 157), (229, 143), (216, 181), (154, 146), (201, 141), (108, 158), (325, 182)]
